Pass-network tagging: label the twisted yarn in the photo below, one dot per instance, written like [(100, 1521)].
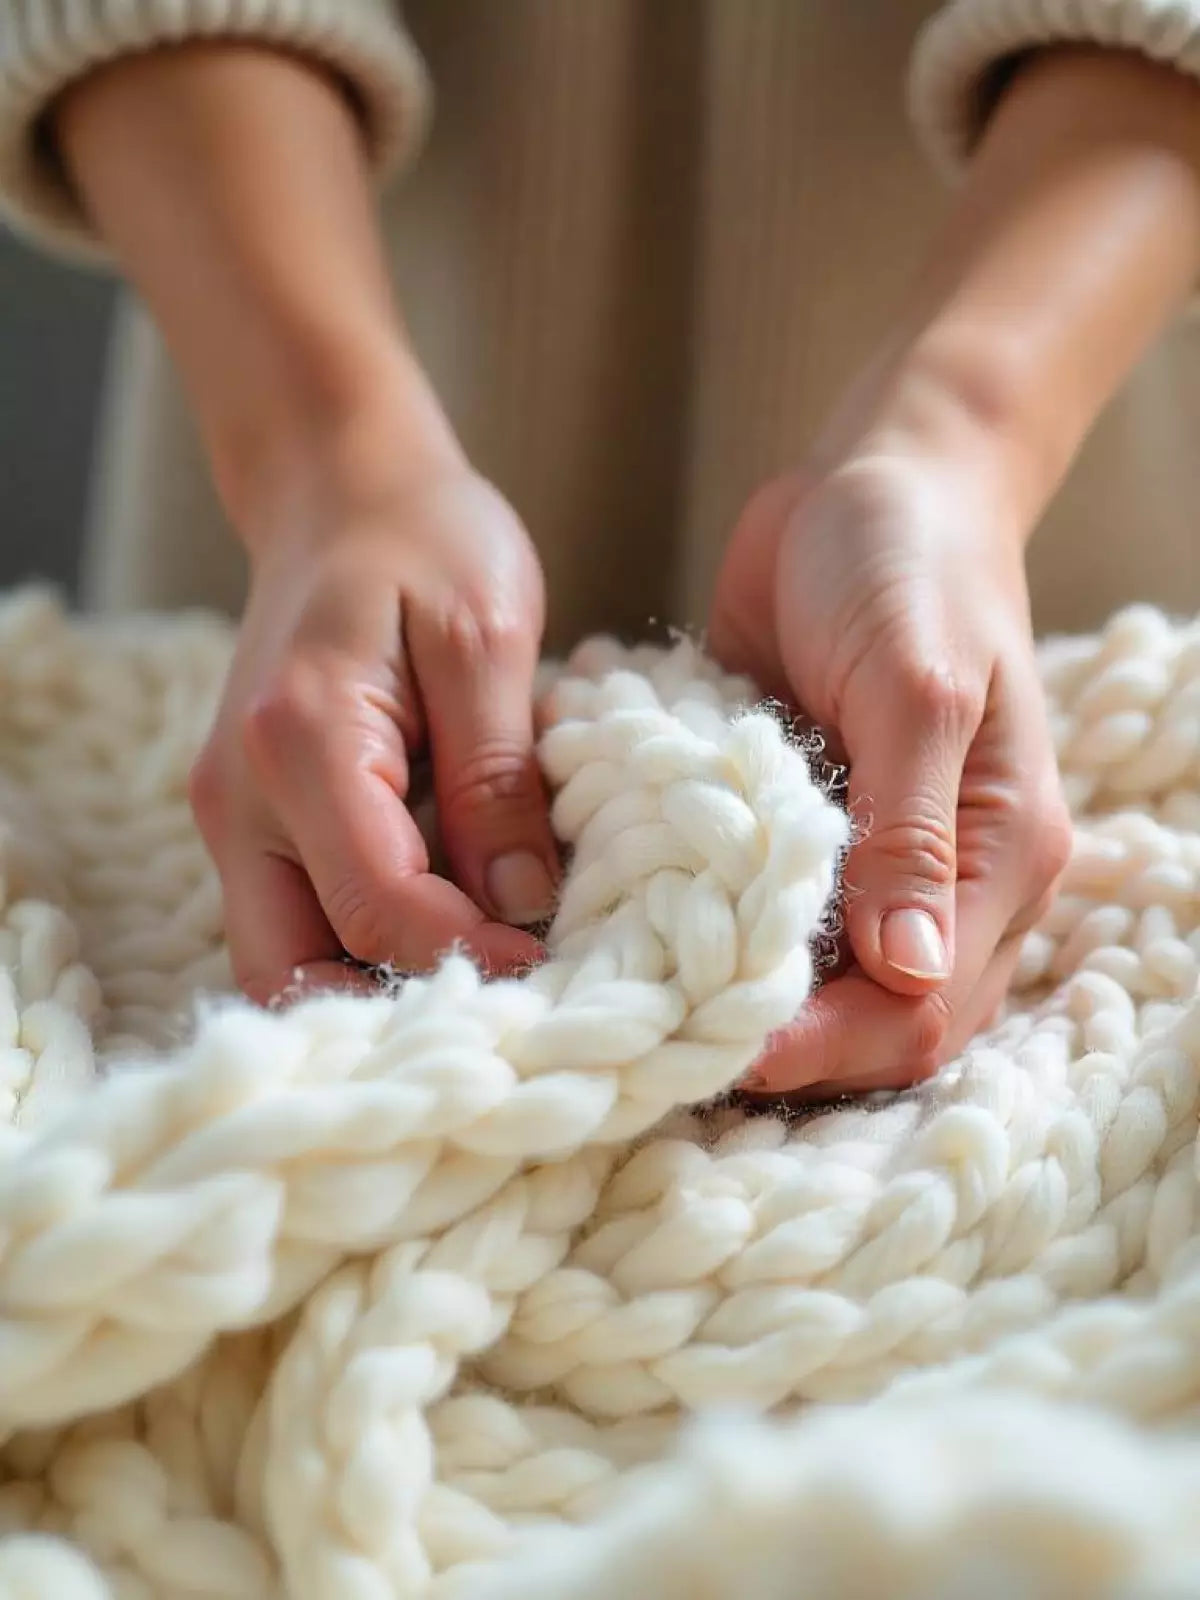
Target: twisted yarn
[(477, 1290)]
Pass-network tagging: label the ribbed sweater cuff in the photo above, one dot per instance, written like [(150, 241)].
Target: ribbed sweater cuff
[(46, 45), (962, 55)]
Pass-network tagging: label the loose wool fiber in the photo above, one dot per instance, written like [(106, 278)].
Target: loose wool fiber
[(481, 1291)]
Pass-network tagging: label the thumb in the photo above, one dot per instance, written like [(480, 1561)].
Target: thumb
[(477, 689), (907, 752)]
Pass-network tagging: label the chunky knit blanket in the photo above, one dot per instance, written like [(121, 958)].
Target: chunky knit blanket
[(482, 1290)]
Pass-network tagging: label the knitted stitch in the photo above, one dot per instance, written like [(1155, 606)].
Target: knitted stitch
[(414, 1296)]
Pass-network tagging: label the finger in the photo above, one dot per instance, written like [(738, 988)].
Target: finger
[(1013, 839), (280, 943), (1011, 804), (369, 865), (336, 776), (745, 590), (476, 683), (857, 1038), (853, 1030), (908, 742)]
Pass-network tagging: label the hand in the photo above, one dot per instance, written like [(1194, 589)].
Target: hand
[(901, 627), (386, 623), (892, 571), (395, 601)]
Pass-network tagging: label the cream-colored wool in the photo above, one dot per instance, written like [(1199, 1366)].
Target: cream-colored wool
[(408, 1296)]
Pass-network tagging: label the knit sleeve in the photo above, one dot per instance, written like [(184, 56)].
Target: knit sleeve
[(968, 49), (45, 45)]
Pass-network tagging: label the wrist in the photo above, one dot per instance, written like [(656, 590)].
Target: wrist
[(952, 399), (291, 469), (231, 184), (1073, 242), (976, 394)]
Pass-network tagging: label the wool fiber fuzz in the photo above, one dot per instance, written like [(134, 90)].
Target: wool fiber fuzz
[(477, 1291)]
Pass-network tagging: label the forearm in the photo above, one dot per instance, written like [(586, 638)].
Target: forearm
[(231, 184), (1074, 240)]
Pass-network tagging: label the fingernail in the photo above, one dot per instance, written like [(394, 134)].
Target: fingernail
[(913, 944), (519, 887)]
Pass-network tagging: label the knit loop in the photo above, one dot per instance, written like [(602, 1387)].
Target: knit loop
[(416, 1295)]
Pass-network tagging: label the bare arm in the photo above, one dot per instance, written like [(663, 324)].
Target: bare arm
[(395, 601), (231, 184), (1074, 241), (893, 564)]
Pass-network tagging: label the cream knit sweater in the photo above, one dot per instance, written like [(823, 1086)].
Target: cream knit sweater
[(641, 247)]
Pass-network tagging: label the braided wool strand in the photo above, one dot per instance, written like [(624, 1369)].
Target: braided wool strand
[(416, 1295)]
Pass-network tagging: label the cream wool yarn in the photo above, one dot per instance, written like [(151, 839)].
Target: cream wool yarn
[(414, 1296)]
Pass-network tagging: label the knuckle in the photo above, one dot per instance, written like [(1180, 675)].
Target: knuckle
[(499, 773), (818, 1053), (357, 920), (284, 712), (484, 628), (1047, 850), (1053, 841), (921, 848), (937, 696), (929, 1030)]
